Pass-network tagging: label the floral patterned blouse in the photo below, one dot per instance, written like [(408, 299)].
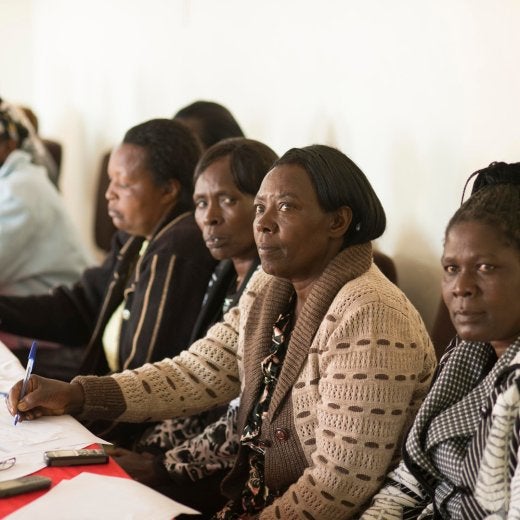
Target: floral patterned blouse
[(256, 495)]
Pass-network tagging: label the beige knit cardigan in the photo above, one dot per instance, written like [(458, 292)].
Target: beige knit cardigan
[(357, 367)]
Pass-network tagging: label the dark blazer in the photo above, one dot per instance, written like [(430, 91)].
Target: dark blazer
[(162, 293), (223, 278)]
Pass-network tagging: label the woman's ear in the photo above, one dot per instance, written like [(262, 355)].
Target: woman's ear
[(340, 221), (172, 190)]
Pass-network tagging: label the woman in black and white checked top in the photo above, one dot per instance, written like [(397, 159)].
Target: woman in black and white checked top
[(460, 457)]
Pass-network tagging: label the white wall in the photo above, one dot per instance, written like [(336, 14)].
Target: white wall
[(418, 93)]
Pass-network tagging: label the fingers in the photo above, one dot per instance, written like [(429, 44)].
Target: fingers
[(23, 407), (42, 397), (34, 396), (45, 397), (13, 398)]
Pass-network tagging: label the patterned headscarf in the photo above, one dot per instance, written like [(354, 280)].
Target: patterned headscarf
[(15, 125), (11, 124)]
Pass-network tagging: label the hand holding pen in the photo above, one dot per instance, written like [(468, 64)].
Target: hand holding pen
[(28, 372), (36, 396)]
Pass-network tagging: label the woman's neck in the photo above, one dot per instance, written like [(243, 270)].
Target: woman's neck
[(242, 267), (501, 346), (302, 292)]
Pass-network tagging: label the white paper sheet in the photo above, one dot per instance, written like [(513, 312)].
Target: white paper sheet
[(10, 369), (89, 496), (29, 439)]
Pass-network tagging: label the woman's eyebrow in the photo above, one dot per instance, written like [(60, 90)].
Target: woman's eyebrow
[(284, 195)]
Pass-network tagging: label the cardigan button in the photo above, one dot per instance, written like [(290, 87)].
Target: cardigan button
[(126, 314), (282, 434)]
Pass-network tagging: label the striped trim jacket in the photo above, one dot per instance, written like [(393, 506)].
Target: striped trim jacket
[(162, 292)]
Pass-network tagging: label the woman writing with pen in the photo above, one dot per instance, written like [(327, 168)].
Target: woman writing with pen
[(329, 358)]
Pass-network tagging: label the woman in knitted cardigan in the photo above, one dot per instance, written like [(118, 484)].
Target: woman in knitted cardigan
[(330, 359)]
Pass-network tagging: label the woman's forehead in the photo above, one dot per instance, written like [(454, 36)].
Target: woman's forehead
[(285, 177)]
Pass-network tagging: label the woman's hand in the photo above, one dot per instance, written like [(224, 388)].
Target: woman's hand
[(45, 397)]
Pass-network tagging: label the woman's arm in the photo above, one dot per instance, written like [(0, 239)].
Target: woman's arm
[(200, 378)]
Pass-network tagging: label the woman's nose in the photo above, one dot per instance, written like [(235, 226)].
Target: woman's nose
[(464, 284), (213, 215), (109, 194), (264, 223)]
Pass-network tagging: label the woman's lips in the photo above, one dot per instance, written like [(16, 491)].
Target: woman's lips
[(464, 316), (112, 213), (265, 249), (215, 242)]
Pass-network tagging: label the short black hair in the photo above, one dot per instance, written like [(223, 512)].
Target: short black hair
[(249, 161), (495, 201), (214, 122), (172, 152), (338, 182)]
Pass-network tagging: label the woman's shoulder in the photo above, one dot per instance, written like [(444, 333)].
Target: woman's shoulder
[(372, 286), (372, 292), (258, 283), (181, 237), (180, 226)]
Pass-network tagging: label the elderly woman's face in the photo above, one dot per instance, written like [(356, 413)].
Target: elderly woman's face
[(224, 214), (292, 232), (481, 284), (135, 203)]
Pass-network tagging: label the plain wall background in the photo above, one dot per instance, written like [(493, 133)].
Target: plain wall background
[(418, 93)]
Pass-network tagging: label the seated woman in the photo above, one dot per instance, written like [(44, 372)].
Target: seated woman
[(460, 458), (209, 122), (193, 454), (330, 359), (141, 304), (39, 245)]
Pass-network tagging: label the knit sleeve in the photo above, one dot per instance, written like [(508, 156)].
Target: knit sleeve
[(401, 497), (198, 379), (368, 371)]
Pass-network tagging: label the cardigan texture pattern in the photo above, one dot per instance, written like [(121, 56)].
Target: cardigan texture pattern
[(357, 367), (162, 292)]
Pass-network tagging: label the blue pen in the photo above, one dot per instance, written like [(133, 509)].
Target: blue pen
[(28, 371)]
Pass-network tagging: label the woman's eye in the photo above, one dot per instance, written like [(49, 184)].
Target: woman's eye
[(259, 209), (284, 206), (228, 201), (450, 269), (486, 268), (199, 204)]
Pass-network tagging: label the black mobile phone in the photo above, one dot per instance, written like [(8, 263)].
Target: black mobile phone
[(75, 457), (16, 486)]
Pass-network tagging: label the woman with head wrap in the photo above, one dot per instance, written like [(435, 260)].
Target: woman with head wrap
[(39, 246)]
